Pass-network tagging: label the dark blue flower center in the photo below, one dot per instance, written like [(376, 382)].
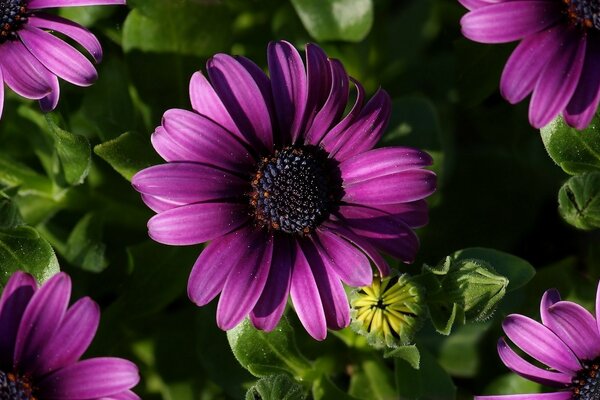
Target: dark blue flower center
[(293, 190), (584, 13), (13, 15), (586, 385), (14, 388)]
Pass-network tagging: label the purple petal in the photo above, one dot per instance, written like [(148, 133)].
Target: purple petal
[(550, 297), (597, 306), (380, 162), (289, 86), (159, 204), (243, 99), (50, 102), (509, 21), (318, 81), (575, 326), (28, 78), (383, 231), (529, 371), (188, 183), (41, 319), (196, 223), (366, 130), (584, 103), (37, 4), (1, 91), (400, 187), (270, 306), (474, 4), (334, 106), (206, 102), (186, 136), (349, 263), (540, 343), (337, 134), (126, 395), (90, 379), (214, 265), (558, 80), (306, 298), (524, 66), (415, 213), (15, 297), (360, 242), (59, 57), (567, 395), (246, 281), (72, 338), (69, 28), (331, 291)]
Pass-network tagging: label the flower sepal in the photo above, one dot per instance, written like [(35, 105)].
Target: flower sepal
[(579, 201)]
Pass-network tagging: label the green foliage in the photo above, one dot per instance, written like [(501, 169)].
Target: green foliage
[(428, 382), (409, 353), (348, 20), (276, 387), (574, 151), (579, 201), (85, 247)]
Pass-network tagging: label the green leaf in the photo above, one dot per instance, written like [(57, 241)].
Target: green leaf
[(347, 20), (517, 270), (276, 387), (264, 353), (73, 152), (459, 353), (128, 154), (429, 382), (185, 27), (511, 384), (87, 16), (14, 173), (574, 151), (324, 389), (22, 248), (10, 217), (85, 248), (579, 201), (379, 378), (410, 354)]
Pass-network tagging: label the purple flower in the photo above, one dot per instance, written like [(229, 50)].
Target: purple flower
[(288, 189), (42, 339), (32, 59), (567, 341), (557, 60)]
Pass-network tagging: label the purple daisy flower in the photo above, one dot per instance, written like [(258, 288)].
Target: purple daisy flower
[(288, 189), (557, 60), (32, 59), (42, 339), (567, 341)]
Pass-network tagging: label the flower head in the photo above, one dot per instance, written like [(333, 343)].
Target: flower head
[(567, 341), (42, 340), (288, 189), (389, 312), (32, 59), (557, 60)]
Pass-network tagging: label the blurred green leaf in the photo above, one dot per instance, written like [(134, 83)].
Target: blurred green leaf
[(347, 20), (574, 151), (128, 154), (410, 354), (379, 380), (579, 201), (459, 353), (85, 247), (14, 173), (185, 27), (10, 217), (87, 16), (324, 389), (276, 387), (430, 382), (22, 248), (73, 152), (511, 384), (267, 353), (517, 270)]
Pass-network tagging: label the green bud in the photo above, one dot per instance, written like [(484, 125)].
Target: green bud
[(389, 312), (579, 201)]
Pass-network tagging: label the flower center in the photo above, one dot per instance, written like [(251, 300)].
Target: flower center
[(584, 13), (14, 388), (292, 190), (586, 385), (13, 15)]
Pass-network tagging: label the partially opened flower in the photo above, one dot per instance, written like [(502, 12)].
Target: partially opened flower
[(288, 189), (32, 59), (567, 341), (42, 341), (557, 60)]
